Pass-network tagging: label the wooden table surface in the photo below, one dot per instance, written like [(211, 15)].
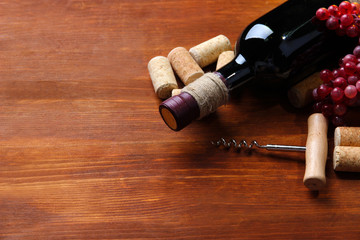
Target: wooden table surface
[(85, 154)]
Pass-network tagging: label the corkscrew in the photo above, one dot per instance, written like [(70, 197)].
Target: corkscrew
[(244, 145), (315, 150)]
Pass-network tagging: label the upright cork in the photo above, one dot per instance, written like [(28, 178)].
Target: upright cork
[(300, 95), (347, 136), (316, 152), (208, 52), (184, 65), (224, 58), (162, 76), (346, 158)]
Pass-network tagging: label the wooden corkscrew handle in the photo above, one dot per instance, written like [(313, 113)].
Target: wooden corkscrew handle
[(316, 152)]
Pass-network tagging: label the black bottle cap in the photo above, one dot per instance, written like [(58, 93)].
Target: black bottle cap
[(179, 111)]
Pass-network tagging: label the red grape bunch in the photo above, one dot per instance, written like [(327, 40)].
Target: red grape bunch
[(344, 19), (340, 86)]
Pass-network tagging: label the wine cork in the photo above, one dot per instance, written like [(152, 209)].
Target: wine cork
[(300, 95), (224, 58), (208, 52), (347, 136), (162, 76), (175, 92), (184, 65), (346, 159)]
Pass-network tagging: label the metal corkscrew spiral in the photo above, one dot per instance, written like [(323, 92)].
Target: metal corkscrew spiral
[(244, 145), (316, 150)]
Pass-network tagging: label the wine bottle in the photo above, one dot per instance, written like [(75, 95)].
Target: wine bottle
[(279, 49)]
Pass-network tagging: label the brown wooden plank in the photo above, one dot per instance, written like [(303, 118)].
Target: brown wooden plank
[(85, 154)]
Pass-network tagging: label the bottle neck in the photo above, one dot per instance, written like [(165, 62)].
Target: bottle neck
[(236, 73)]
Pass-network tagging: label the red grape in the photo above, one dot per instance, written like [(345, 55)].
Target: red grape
[(340, 82), (352, 31), (340, 72), (327, 109), (350, 101), (315, 95), (317, 107), (349, 58), (346, 20), (337, 94), (334, 11), (323, 91), (322, 14), (355, 8), (350, 68), (332, 23), (352, 79), (350, 91), (340, 109), (345, 7), (357, 85), (326, 75), (356, 51)]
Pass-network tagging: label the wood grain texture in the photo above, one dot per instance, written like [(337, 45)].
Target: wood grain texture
[(85, 154)]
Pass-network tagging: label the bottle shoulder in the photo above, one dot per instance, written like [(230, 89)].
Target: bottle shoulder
[(286, 18)]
